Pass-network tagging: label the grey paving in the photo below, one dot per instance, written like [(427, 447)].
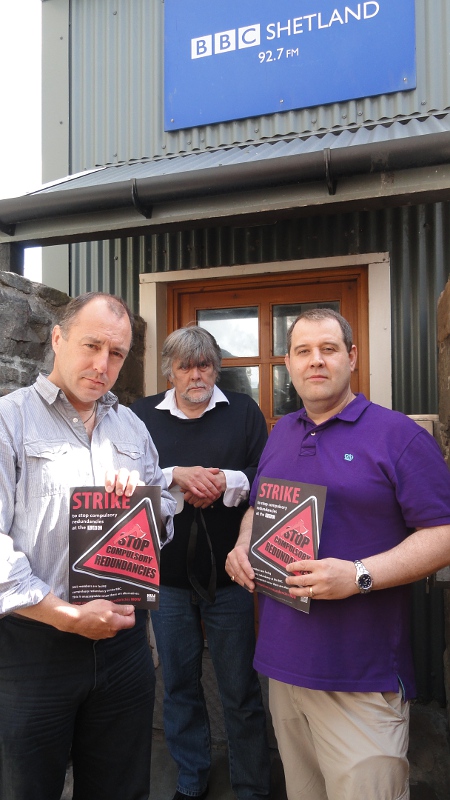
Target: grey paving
[(163, 770), (164, 773)]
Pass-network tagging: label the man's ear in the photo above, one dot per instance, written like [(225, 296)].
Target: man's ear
[(56, 337), (353, 357), (287, 361)]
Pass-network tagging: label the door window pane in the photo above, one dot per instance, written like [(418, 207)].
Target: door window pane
[(285, 398), (235, 330), (240, 379), (284, 315)]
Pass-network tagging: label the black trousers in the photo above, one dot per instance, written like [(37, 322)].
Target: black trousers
[(61, 693)]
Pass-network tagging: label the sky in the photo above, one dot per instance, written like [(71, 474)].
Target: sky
[(20, 106)]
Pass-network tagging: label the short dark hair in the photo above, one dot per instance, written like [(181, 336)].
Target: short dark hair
[(190, 346), (74, 306), (318, 314)]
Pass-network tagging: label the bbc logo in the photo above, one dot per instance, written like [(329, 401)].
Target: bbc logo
[(226, 41)]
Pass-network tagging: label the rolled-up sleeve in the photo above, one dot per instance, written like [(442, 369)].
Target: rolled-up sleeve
[(18, 586)]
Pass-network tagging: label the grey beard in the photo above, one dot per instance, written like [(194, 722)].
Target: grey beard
[(207, 394)]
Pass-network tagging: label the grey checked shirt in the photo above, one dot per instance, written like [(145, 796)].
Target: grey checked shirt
[(44, 451)]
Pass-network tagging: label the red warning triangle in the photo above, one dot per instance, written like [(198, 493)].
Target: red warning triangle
[(293, 538), (128, 551)]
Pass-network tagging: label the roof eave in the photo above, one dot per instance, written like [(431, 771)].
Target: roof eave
[(326, 167)]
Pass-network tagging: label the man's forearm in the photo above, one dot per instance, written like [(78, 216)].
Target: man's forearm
[(97, 619), (237, 564), (52, 611), (421, 554), (245, 531)]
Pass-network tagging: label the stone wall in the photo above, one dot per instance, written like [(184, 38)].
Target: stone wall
[(28, 312)]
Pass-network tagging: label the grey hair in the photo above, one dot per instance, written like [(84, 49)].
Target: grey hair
[(317, 315), (76, 304), (190, 346)]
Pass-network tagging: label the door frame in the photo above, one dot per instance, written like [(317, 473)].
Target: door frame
[(153, 309)]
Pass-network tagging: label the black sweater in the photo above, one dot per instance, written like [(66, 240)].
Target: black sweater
[(230, 436)]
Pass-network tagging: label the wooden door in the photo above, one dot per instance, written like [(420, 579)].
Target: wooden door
[(249, 317)]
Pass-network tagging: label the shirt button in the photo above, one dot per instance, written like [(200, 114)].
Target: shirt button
[(75, 419), (313, 434)]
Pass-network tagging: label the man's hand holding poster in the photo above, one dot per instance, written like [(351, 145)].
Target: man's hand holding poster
[(114, 546), (286, 528)]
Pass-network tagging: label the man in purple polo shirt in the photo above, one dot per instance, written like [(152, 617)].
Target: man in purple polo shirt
[(341, 677)]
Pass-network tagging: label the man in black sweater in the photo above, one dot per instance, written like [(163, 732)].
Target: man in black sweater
[(209, 443)]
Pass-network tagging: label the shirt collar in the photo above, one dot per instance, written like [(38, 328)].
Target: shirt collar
[(50, 392), (350, 413), (169, 403)]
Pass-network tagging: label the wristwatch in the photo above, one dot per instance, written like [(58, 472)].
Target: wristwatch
[(363, 578)]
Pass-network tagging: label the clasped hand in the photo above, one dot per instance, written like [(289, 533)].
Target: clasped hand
[(201, 486)]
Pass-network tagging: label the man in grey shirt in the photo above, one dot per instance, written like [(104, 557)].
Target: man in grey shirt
[(73, 678)]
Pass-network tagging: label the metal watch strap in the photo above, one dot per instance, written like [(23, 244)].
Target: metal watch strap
[(363, 578)]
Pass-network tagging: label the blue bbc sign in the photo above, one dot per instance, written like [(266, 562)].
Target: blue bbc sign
[(244, 58)]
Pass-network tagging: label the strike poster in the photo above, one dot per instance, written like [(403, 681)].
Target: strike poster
[(286, 528), (114, 546)]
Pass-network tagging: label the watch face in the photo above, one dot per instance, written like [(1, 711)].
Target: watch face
[(365, 582)]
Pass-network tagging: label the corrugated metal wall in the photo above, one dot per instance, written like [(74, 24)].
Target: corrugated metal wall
[(417, 238), (117, 79), (116, 82)]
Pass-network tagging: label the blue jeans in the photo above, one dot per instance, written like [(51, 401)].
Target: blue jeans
[(230, 632), (62, 693)]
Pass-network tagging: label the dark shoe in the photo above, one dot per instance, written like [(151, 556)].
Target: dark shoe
[(180, 796)]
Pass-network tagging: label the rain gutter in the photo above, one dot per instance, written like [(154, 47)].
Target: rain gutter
[(328, 165)]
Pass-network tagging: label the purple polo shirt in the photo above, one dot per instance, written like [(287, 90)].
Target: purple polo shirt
[(385, 476)]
